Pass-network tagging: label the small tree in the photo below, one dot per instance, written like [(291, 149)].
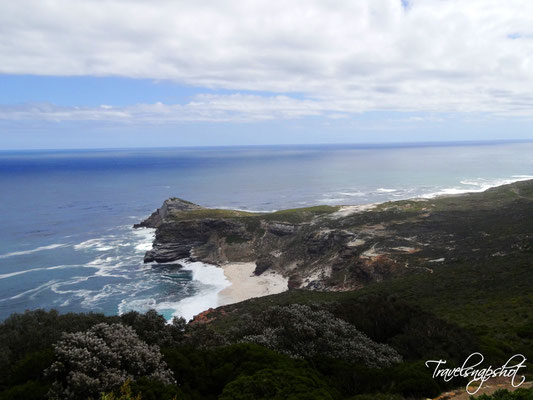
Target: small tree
[(101, 359)]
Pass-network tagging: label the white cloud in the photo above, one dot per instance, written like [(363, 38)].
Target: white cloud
[(344, 56), (204, 108)]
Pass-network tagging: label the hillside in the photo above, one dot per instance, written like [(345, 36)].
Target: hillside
[(348, 247)]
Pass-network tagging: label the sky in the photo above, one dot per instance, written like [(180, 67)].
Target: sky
[(136, 73)]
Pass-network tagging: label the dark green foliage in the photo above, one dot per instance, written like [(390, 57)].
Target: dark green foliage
[(414, 333), (206, 372), (526, 331), (201, 336), (303, 332), (404, 379), (39, 329), (154, 390), (277, 384), (31, 390), (414, 380), (235, 239), (26, 344), (206, 367), (519, 394), (31, 366), (298, 215), (152, 327)]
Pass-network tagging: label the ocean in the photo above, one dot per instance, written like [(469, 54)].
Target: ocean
[(66, 237)]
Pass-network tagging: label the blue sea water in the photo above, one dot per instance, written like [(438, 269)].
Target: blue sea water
[(66, 237)]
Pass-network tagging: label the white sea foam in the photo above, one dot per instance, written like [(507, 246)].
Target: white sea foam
[(206, 273), (332, 200), (32, 291), (145, 237), (385, 190), (213, 281), (477, 185), (141, 239), (143, 247), (139, 305), (11, 274), (209, 279), (37, 249), (97, 244), (353, 194)]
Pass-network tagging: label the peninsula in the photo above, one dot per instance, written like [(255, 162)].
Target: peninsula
[(342, 248)]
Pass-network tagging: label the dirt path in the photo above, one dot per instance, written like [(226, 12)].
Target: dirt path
[(488, 388)]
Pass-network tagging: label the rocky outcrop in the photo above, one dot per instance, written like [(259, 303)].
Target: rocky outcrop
[(169, 207)]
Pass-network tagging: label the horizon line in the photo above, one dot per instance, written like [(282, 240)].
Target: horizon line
[(364, 144)]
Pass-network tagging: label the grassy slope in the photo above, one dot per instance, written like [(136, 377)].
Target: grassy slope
[(295, 215)]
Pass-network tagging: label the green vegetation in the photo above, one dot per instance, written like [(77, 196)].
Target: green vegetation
[(210, 213), (491, 302), (101, 359), (204, 363), (302, 332), (295, 215), (299, 215)]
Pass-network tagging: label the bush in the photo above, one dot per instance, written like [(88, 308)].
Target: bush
[(124, 393), (276, 384), (143, 389), (205, 373), (31, 366), (31, 390), (152, 328), (301, 332), (101, 359), (32, 331), (414, 333)]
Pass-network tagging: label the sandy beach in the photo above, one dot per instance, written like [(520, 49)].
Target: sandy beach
[(245, 285)]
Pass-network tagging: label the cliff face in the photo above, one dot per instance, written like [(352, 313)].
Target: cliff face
[(343, 248)]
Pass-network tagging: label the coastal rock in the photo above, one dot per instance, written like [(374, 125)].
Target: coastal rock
[(281, 229), (263, 263), (295, 282), (170, 206), (167, 252)]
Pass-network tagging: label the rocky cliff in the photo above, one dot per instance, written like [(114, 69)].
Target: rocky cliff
[(347, 247)]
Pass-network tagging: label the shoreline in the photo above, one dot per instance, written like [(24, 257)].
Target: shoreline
[(245, 285)]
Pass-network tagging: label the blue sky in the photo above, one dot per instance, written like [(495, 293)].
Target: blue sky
[(85, 74)]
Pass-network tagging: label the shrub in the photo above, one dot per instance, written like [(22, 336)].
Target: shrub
[(124, 393), (276, 384), (153, 328), (32, 331), (143, 389), (101, 359), (201, 336), (414, 333), (31, 390), (301, 332)]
